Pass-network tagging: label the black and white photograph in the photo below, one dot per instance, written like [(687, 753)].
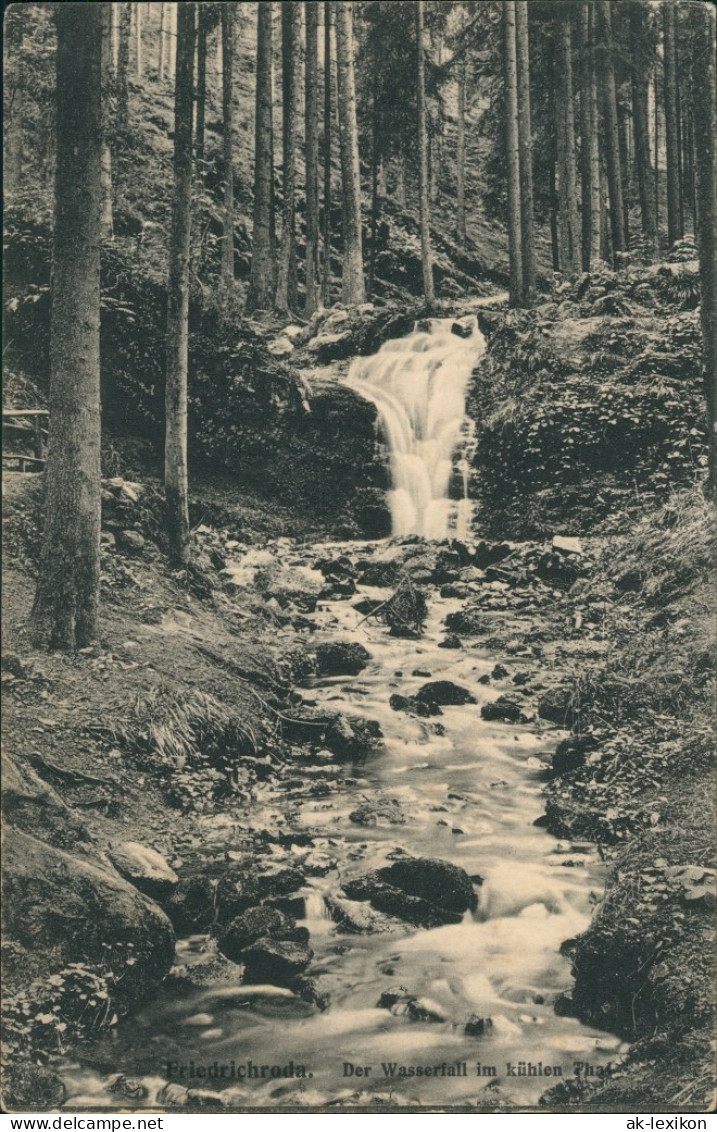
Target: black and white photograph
[(359, 476)]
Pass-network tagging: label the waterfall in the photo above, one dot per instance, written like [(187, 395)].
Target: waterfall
[(418, 385)]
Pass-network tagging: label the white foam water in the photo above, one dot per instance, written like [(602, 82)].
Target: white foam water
[(418, 384)]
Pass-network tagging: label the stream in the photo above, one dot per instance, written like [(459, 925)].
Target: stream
[(468, 792)]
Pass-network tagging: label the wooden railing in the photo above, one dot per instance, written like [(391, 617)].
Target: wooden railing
[(38, 419)]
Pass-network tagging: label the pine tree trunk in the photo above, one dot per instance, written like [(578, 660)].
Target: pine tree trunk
[(640, 114), (461, 233), (291, 37), (107, 69), (202, 32), (674, 226), (568, 169), (125, 35), (512, 142), (172, 32), (228, 12), (525, 140), (138, 57), (263, 253), (587, 131), (423, 186), (657, 158), (375, 198), (162, 59), (605, 65), (624, 143), (326, 277), (705, 121), (312, 156), (175, 452), (353, 291), (401, 196), (596, 180), (68, 589)]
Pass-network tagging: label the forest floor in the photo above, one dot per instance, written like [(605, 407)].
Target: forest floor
[(608, 641)]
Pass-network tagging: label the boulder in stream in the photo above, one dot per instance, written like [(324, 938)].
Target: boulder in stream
[(444, 692), (145, 868), (395, 902), (502, 710), (441, 882), (242, 888), (276, 961), (341, 658), (261, 922)]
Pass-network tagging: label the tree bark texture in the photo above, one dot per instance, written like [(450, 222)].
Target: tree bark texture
[(605, 65), (201, 101), (68, 592), (291, 32), (525, 139), (568, 168), (326, 274), (263, 254), (512, 141), (589, 156), (640, 79), (162, 56), (672, 146), (228, 13), (423, 186), (353, 289), (312, 155), (138, 56), (125, 35), (705, 126), (107, 70), (175, 453), (461, 231)]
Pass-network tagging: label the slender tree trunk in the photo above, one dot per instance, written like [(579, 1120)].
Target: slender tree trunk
[(326, 277), (263, 255), (312, 156), (423, 186), (640, 112), (674, 226), (568, 170), (608, 97), (525, 140), (375, 196), (175, 452), (202, 32), (139, 62), (353, 289), (291, 29), (587, 131), (228, 13), (68, 590), (554, 234), (705, 119), (107, 102), (657, 160), (162, 59), (596, 193), (172, 32), (115, 36), (512, 138), (461, 233), (125, 35), (401, 196), (624, 143)]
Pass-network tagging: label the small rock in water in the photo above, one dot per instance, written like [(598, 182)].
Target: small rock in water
[(499, 672), (476, 1027), (451, 641), (502, 709), (341, 658)]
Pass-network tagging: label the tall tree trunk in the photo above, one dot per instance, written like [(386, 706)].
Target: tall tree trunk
[(326, 276), (525, 140), (172, 33), (375, 193), (107, 69), (461, 233), (624, 143), (423, 187), (353, 291), (175, 451), (512, 141), (657, 159), (228, 13), (588, 140), (553, 192), (672, 148), (401, 196), (596, 179), (312, 156), (68, 590), (705, 119), (202, 33), (263, 252), (568, 170), (125, 35), (608, 97), (162, 59), (138, 57), (291, 36), (640, 114)]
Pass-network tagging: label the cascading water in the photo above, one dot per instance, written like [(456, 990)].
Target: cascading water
[(418, 385)]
